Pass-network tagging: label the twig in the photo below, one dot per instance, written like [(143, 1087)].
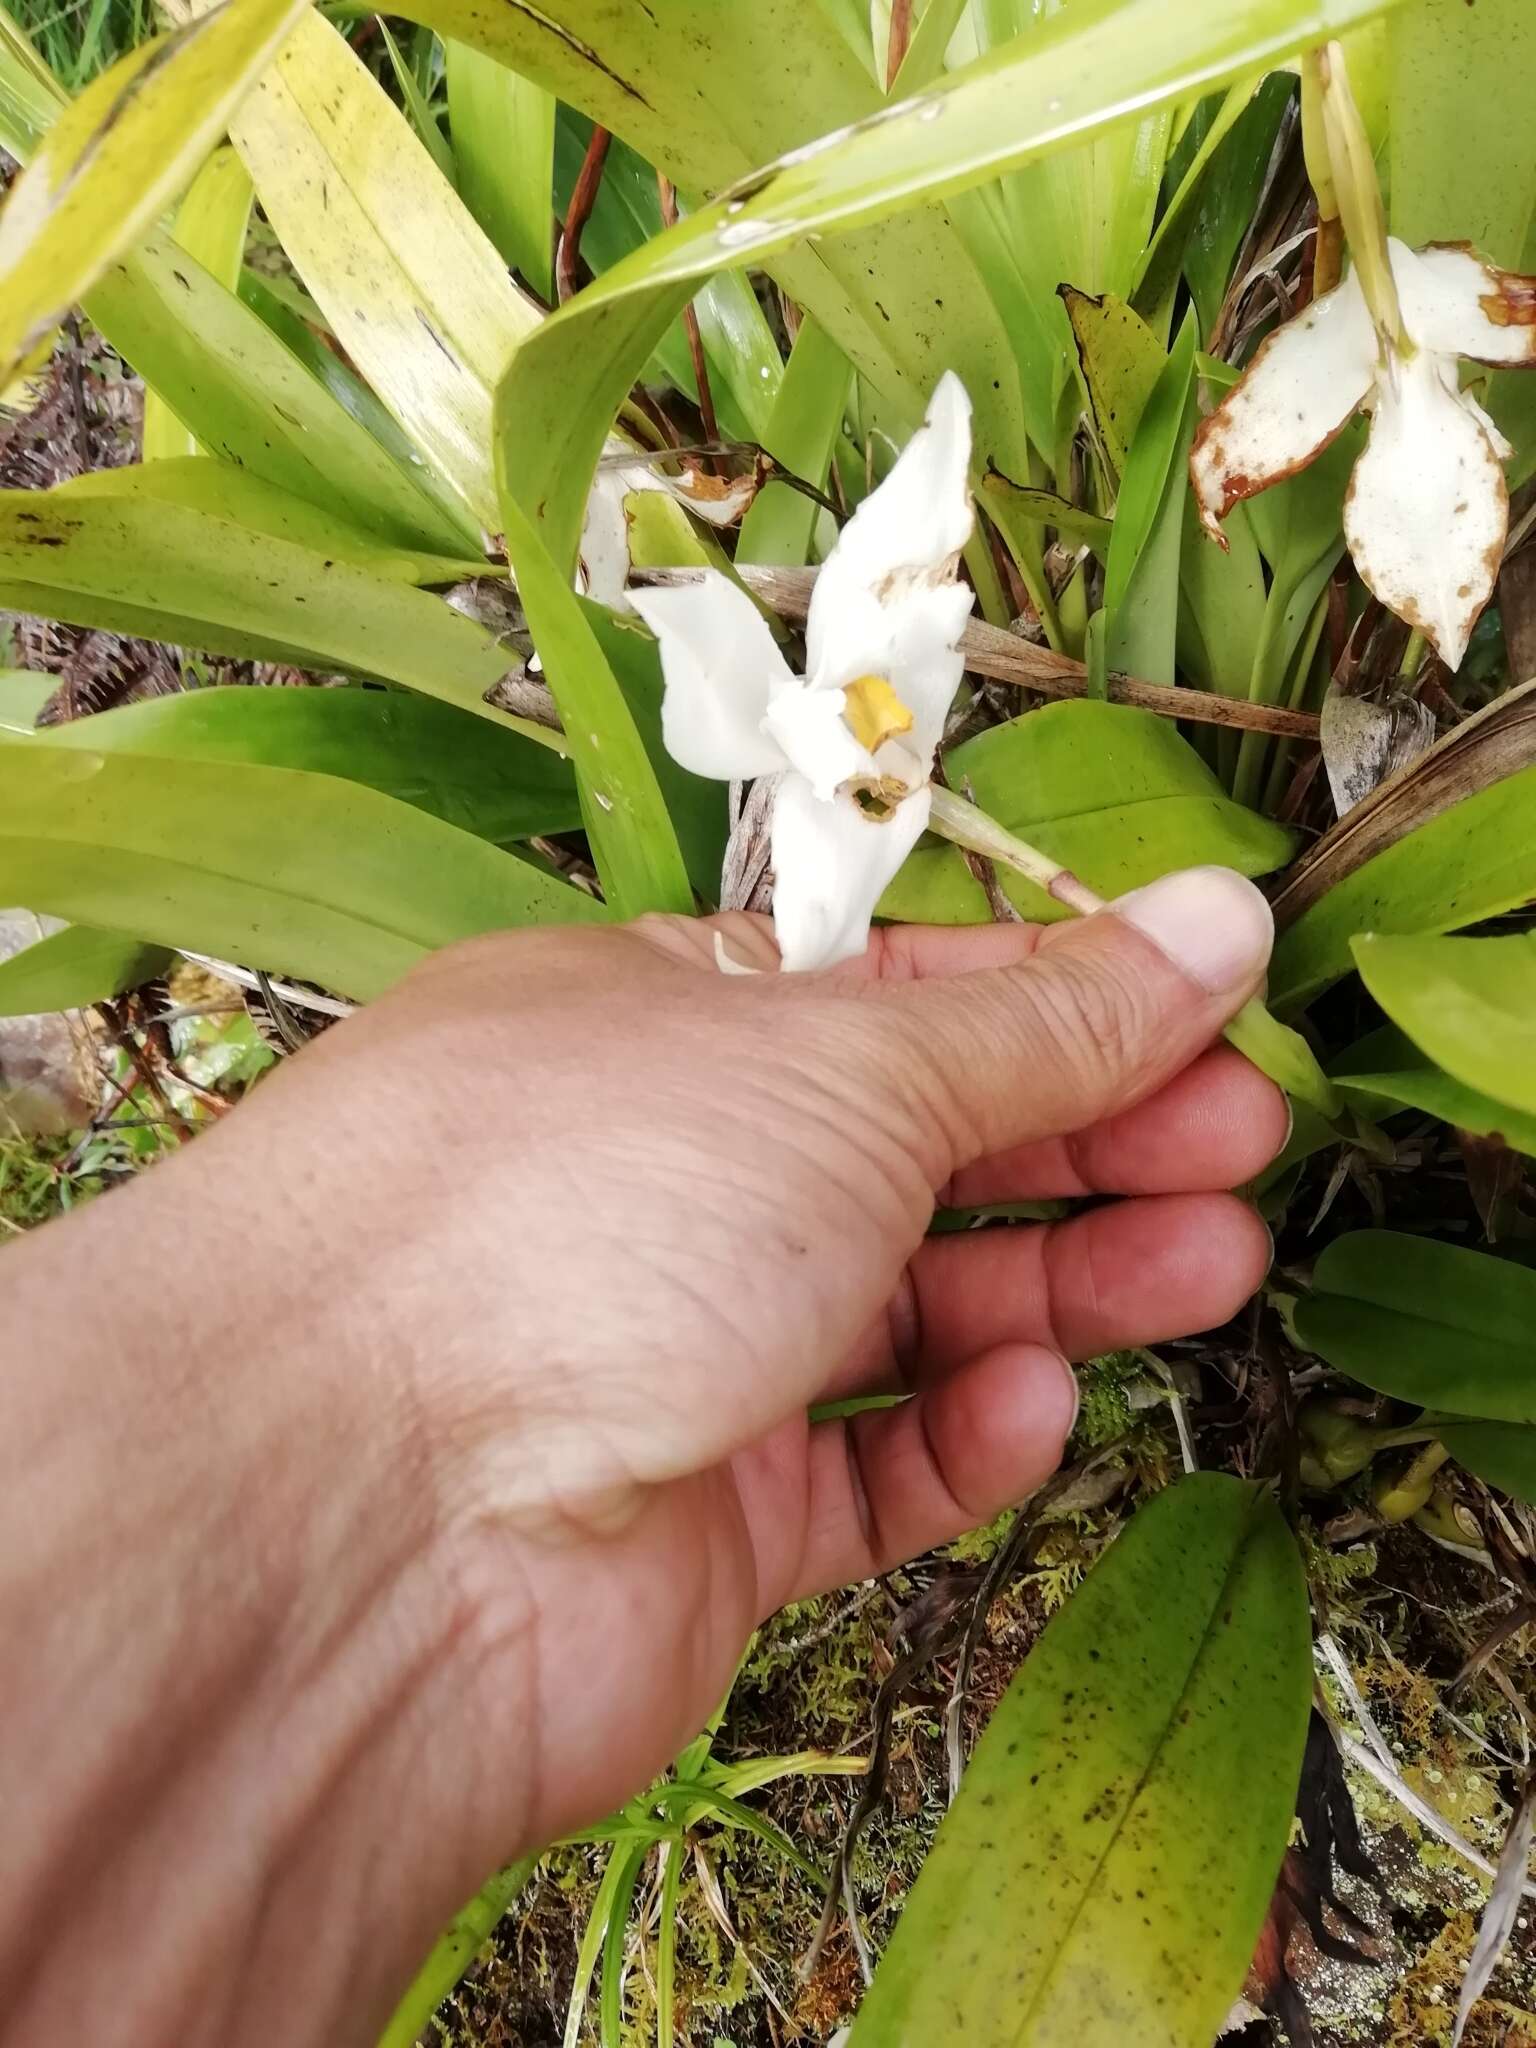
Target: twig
[(901, 36), (667, 193), (1338, 1664), (1421, 1809), (299, 998), (1179, 1410), (583, 198), (990, 651)]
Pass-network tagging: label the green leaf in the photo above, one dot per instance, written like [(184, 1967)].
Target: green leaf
[(633, 842), (452, 1954), (75, 967), (1087, 529), (256, 864), (1103, 1874), (1426, 1089), (165, 571), (1386, 1073), (1462, 143), (202, 483), (1114, 793), (1083, 215), (706, 93), (1470, 1004), (801, 434), (1221, 624), (1285, 1056), (1157, 268), (244, 395), (424, 122), (1498, 1452), (211, 224), (741, 355), (487, 781), (697, 808), (417, 296), (503, 129), (1475, 860), (1426, 1322), (117, 156), (31, 98), (1070, 79), (1141, 581), (1228, 196), (1122, 361), (23, 693)]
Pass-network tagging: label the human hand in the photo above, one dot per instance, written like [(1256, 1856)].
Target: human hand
[(569, 1232)]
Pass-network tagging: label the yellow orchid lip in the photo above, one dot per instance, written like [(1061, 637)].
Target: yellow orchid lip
[(873, 712)]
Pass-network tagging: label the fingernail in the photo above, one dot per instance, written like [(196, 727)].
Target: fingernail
[(1072, 1399), (1212, 924)]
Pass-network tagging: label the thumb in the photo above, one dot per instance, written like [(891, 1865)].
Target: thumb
[(1100, 1014)]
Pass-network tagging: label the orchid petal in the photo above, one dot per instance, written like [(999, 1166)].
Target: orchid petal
[(1295, 396), (831, 865), (604, 546), (720, 665), (812, 734), (1458, 305), (924, 665), (904, 536), (1428, 507)]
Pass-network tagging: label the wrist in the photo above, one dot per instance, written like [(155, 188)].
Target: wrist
[(250, 1666)]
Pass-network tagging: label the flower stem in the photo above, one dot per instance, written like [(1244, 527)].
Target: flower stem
[(1327, 264), (963, 823), (1358, 195)]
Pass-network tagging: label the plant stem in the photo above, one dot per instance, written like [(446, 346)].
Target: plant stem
[(963, 823), (453, 1953)]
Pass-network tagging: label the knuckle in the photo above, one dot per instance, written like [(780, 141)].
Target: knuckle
[(1092, 1026)]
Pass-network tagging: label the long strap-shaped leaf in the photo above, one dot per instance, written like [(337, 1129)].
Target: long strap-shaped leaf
[(211, 225), (632, 838), (415, 292), (1103, 1875), (165, 571), (109, 165), (244, 395), (218, 367), (1067, 81), (706, 92), (300, 874)]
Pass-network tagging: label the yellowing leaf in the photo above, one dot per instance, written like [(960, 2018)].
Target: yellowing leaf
[(210, 225), (416, 294), (111, 162)]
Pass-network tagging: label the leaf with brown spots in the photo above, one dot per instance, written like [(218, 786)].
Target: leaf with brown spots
[(1105, 1871)]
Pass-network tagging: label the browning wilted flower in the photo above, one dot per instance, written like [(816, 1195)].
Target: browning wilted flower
[(1428, 507)]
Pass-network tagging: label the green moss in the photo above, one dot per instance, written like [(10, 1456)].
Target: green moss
[(1105, 1410)]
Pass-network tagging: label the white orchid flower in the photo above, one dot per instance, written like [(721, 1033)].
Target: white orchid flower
[(1428, 506), (853, 739)]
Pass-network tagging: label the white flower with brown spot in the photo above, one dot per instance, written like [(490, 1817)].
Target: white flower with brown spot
[(1428, 507), (853, 739)]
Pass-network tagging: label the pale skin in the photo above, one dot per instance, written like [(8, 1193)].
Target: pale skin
[(392, 1480)]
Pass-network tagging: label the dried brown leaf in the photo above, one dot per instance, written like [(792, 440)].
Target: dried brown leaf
[(1364, 743), (1500, 1913), (1495, 743)]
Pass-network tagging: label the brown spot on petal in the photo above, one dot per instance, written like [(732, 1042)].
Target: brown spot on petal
[(1513, 304)]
